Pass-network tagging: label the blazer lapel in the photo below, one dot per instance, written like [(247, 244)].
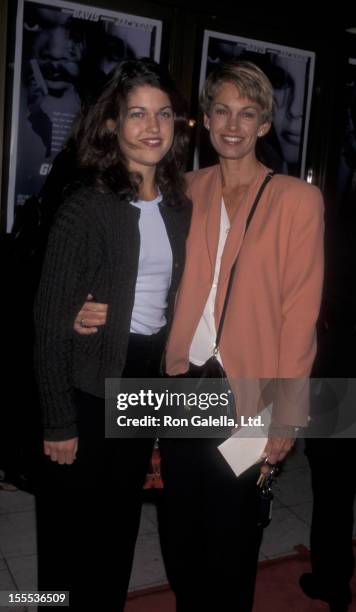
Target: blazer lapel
[(233, 243), (236, 234), (213, 194)]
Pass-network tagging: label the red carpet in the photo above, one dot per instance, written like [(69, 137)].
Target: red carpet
[(277, 589)]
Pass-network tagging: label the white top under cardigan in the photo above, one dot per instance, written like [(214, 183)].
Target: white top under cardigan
[(154, 270)]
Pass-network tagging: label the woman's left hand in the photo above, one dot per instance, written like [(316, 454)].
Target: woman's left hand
[(91, 316), (63, 452)]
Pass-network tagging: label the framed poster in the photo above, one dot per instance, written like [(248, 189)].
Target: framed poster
[(291, 72), (346, 179), (63, 53)]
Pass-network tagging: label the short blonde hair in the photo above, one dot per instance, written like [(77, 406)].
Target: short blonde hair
[(249, 79)]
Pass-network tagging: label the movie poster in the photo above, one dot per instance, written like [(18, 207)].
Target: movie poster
[(63, 52), (346, 183)]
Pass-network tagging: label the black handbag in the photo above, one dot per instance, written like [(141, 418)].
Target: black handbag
[(212, 368)]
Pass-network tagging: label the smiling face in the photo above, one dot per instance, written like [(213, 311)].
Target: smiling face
[(147, 128), (234, 123)]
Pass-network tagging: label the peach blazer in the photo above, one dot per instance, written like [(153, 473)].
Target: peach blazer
[(270, 325)]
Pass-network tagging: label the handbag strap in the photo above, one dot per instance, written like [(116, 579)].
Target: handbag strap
[(232, 272)]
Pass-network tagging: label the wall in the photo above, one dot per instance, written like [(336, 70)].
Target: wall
[(182, 37)]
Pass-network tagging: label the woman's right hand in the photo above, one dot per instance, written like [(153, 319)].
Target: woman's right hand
[(90, 317), (63, 452)]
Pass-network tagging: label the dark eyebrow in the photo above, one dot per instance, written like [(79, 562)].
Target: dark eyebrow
[(144, 107)]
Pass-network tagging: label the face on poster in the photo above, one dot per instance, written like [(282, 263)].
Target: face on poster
[(291, 73), (63, 53)]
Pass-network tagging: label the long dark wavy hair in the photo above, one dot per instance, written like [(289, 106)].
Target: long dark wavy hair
[(98, 149)]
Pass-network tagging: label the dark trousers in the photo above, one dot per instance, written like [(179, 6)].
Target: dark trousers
[(207, 522), (334, 487), (89, 512)]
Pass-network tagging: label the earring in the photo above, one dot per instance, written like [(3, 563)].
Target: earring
[(260, 133)]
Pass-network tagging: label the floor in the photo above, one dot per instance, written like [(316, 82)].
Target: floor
[(289, 527)]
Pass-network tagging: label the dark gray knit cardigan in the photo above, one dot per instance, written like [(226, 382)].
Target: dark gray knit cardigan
[(93, 248)]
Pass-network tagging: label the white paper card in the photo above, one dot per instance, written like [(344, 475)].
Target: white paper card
[(245, 447)]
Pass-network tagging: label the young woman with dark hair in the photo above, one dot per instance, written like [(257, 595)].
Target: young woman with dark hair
[(120, 235)]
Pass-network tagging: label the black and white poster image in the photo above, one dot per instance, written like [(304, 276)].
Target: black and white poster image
[(346, 183), (63, 53), (291, 73)]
